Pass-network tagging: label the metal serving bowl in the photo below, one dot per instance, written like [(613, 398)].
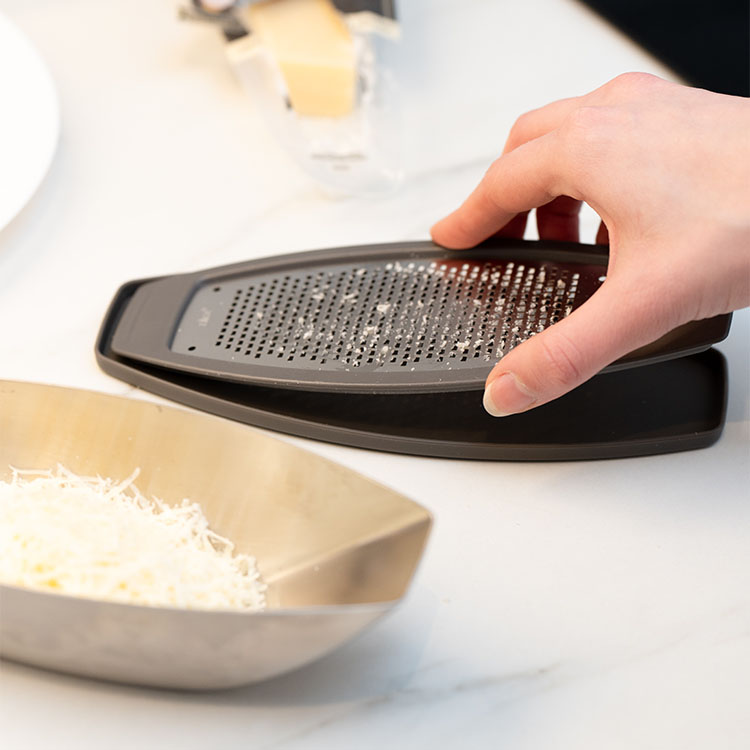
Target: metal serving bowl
[(336, 549)]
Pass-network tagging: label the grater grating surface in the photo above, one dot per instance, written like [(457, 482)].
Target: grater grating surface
[(388, 315)]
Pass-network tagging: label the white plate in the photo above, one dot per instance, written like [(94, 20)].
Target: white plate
[(29, 120)]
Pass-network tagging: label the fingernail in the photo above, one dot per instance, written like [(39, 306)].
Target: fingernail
[(506, 395)]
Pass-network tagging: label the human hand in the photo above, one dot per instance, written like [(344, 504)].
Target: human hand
[(667, 168)]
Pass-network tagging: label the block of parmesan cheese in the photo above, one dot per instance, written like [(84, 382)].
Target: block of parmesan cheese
[(314, 51)]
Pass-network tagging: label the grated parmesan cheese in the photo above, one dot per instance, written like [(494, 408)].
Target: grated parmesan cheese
[(100, 539)]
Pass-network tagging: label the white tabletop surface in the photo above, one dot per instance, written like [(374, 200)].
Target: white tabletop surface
[(559, 605)]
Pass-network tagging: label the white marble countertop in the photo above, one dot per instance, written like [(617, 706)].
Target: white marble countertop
[(559, 605)]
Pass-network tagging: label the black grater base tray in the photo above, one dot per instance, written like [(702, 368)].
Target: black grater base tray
[(664, 407)]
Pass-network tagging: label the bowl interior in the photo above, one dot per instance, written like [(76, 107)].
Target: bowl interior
[(321, 533)]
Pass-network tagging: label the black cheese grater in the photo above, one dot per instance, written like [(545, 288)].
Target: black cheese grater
[(388, 347)]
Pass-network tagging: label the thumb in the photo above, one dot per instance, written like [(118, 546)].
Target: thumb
[(613, 322)]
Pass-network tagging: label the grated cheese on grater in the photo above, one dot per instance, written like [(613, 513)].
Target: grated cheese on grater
[(100, 539)]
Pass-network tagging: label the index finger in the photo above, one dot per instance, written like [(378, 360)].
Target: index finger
[(526, 177)]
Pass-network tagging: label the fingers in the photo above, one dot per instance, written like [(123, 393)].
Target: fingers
[(525, 178), (539, 122), (459, 229), (558, 220), (450, 232), (602, 234), (486, 211), (613, 322), (515, 228)]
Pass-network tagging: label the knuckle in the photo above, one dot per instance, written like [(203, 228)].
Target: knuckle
[(631, 82), (493, 197), (588, 138), (486, 198), (560, 359), (586, 124), (520, 130), (465, 227)]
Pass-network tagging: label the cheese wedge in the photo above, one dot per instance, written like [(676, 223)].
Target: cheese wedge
[(314, 51)]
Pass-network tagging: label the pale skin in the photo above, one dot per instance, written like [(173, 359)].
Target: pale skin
[(667, 168)]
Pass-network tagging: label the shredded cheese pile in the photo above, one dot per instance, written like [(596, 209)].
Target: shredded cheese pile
[(96, 538)]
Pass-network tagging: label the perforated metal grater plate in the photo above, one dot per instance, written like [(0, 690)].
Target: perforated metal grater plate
[(381, 316), (409, 317)]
